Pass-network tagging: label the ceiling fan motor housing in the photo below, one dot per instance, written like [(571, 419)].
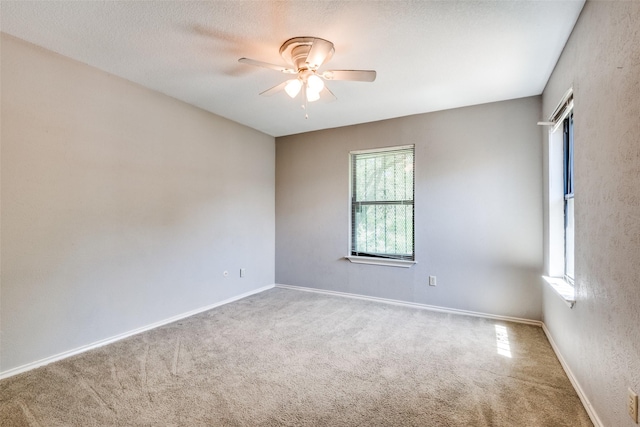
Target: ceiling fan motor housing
[(296, 50)]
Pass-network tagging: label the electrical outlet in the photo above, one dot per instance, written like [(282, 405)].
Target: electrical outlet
[(632, 405), (242, 272), (432, 280)]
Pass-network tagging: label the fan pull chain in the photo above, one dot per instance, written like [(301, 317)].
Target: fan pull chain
[(305, 107)]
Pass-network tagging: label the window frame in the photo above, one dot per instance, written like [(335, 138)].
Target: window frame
[(560, 187), (378, 259)]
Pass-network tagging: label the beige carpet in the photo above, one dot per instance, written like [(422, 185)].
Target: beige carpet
[(291, 358)]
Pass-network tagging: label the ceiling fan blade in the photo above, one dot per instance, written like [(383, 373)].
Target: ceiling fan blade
[(320, 50), (350, 75), (266, 65), (277, 88), (326, 95)]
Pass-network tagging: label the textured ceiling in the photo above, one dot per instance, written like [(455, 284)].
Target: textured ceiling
[(429, 55)]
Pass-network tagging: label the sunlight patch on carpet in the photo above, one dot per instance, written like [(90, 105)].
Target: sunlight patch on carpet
[(502, 341)]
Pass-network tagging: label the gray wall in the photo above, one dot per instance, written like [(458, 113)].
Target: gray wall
[(120, 206), (478, 209), (600, 337)]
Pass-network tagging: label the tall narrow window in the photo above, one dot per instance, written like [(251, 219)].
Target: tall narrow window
[(382, 211), (568, 200), (560, 192)]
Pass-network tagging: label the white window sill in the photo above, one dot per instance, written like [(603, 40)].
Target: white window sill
[(380, 261), (562, 288)]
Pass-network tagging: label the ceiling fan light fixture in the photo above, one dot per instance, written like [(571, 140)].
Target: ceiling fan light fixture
[(315, 83), (293, 87), (312, 95)]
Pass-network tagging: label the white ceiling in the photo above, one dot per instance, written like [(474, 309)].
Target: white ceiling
[(429, 55)]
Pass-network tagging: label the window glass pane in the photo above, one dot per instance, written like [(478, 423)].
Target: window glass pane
[(568, 155), (384, 230), (385, 177), (569, 242)]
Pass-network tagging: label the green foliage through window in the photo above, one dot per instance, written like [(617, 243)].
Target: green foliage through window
[(382, 214)]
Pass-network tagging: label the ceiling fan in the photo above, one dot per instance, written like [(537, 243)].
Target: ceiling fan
[(306, 55)]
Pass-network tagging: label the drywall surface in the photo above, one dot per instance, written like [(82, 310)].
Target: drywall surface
[(478, 226), (600, 337), (121, 207)]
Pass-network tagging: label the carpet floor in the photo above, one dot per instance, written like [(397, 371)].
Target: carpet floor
[(292, 358)]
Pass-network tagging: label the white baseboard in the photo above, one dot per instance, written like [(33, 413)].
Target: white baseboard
[(574, 382), (415, 305), (100, 343)]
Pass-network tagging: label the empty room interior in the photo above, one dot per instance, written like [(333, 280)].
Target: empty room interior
[(330, 213)]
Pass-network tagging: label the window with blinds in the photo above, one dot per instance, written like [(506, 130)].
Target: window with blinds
[(382, 214), (569, 242)]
